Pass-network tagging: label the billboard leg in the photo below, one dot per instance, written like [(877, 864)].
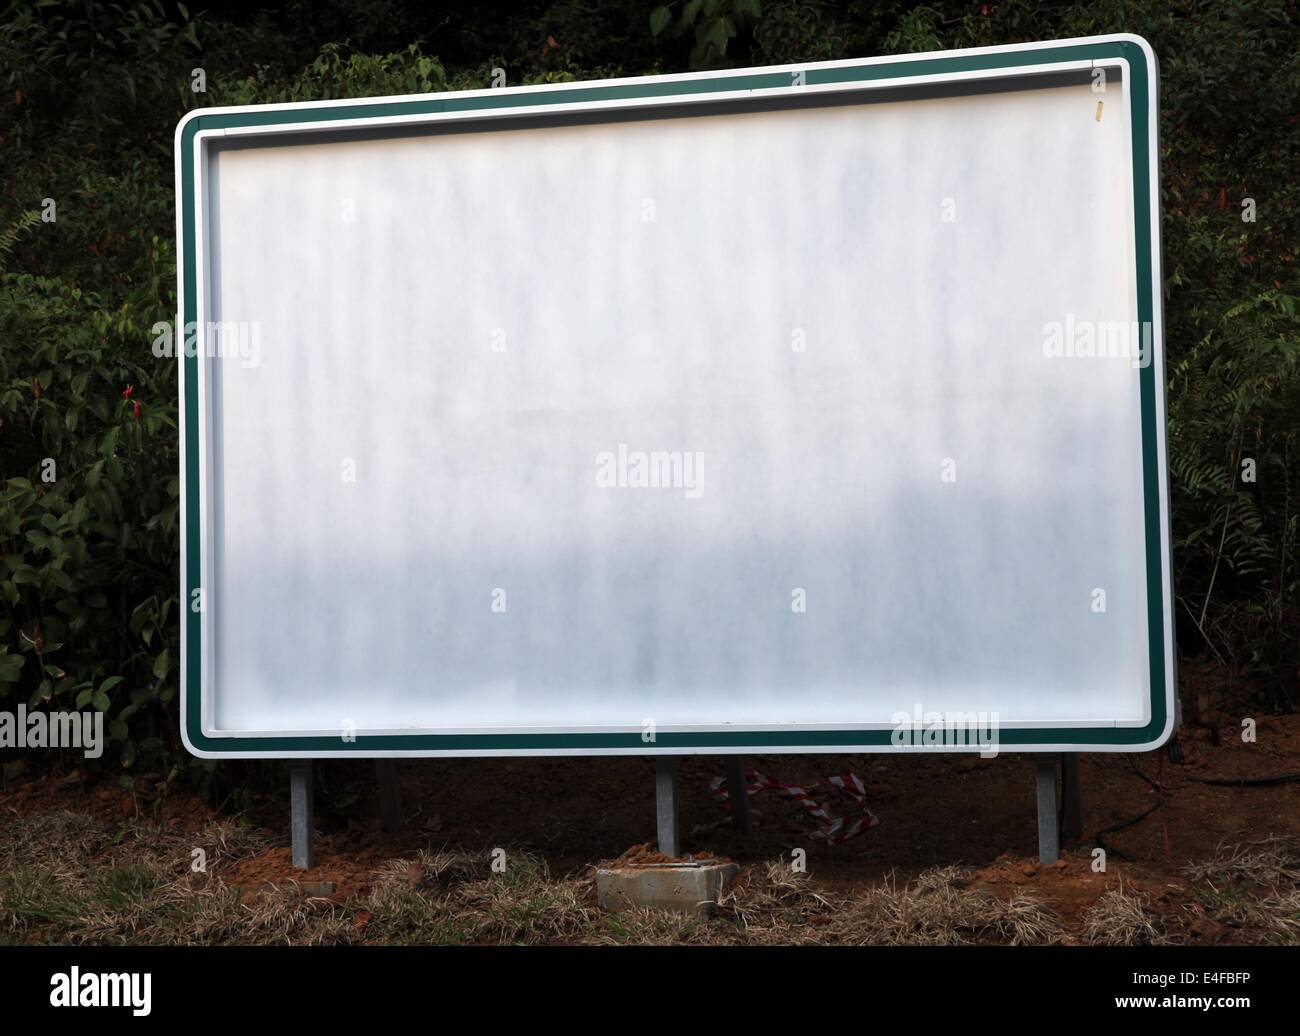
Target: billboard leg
[(738, 794), (1049, 829), (666, 804), (1071, 797), (390, 794), (300, 813)]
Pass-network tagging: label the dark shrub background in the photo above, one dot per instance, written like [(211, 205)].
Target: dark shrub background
[(91, 96)]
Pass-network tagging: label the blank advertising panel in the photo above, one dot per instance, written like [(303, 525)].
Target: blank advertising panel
[(772, 409)]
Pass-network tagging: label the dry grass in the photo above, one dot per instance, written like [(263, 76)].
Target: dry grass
[(1254, 887), (1273, 862), (1123, 918), (31, 841), (446, 897), (68, 878), (1279, 912), (938, 909), (774, 905), (139, 888)]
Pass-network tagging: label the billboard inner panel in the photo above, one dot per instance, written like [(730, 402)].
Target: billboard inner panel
[(724, 421)]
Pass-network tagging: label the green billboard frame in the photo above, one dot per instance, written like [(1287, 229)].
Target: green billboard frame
[(621, 99)]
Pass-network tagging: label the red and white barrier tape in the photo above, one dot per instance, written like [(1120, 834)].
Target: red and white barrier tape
[(834, 829)]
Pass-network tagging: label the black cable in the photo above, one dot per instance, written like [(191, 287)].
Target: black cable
[(1240, 782), (1232, 782), (1132, 764), (1100, 842), (1110, 850), (1229, 782)]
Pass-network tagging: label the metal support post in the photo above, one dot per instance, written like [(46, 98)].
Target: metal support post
[(738, 793), (390, 794), (1049, 830), (300, 812), (666, 804), (1071, 797)]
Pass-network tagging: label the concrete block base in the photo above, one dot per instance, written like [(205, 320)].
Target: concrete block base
[(691, 887)]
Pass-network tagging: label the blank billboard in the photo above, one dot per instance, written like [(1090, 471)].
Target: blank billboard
[(724, 412)]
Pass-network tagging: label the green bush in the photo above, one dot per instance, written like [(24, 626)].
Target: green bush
[(88, 510)]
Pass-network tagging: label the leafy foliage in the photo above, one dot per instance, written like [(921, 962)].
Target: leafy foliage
[(88, 511), (711, 25)]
